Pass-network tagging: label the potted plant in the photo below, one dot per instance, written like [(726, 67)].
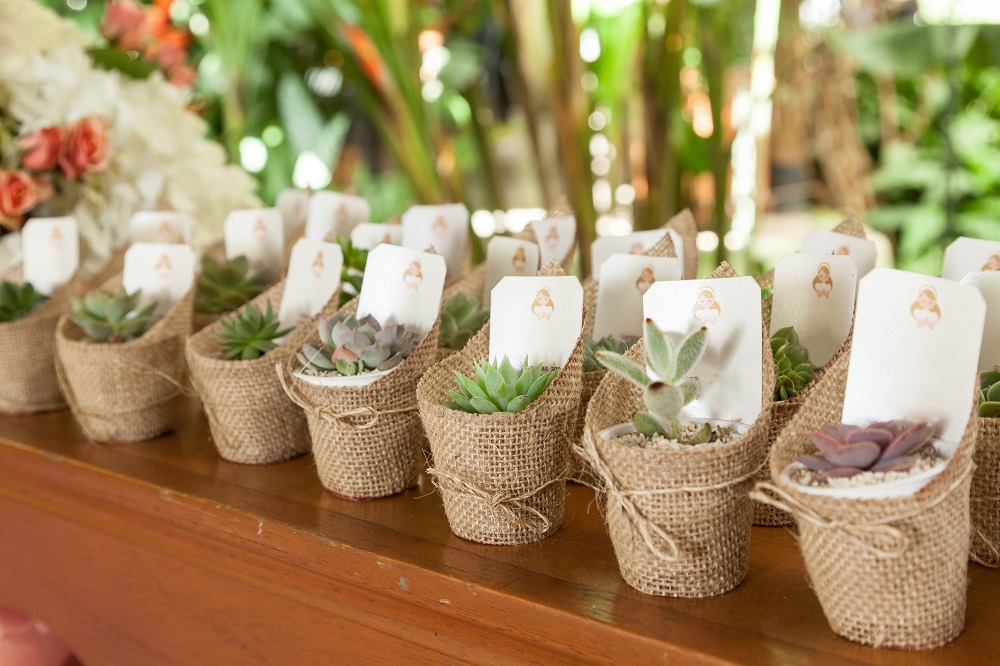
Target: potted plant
[(223, 285), (461, 318), (986, 480)]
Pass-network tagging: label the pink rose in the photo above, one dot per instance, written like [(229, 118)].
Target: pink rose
[(183, 76), (17, 197), (124, 25), (42, 148), (167, 55), (86, 148)]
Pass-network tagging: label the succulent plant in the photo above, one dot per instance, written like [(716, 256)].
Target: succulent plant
[(250, 333), (351, 346), (989, 394), (611, 343), (792, 368), (353, 272), (848, 450), (225, 286), (499, 387), (17, 300), (664, 397), (461, 318), (107, 316)]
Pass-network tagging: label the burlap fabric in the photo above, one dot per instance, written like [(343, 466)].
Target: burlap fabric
[(684, 224), (366, 440), (502, 477), (29, 346), (890, 572), (251, 419), (125, 392), (986, 494)]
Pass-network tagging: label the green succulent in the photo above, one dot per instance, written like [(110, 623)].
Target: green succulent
[(461, 318), (664, 398), (611, 343), (17, 300), (353, 272), (351, 346), (791, 364), (499, 387), (989, 394), (107, 316), (225, 286), (250, 333)]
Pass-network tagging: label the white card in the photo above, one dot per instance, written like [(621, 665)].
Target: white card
[(369, 235), (988, 284), (163, 271), (507, 256), (862, 250), (970, 255), (335, 214), (634, 243), (915, 353), (312, 278), (51, 252), (625, 279), (555, 236), (731, 371), (815, 294), (445, 228), (402, 286), (259, 235), (160, 226), (538, 317), (294, 206)]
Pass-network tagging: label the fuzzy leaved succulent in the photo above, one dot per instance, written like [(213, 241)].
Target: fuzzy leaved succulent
[(848, 450), (226, 285), (664, 397), (461, 318), (17, 300), (107, 316), (792, 367), (353, 272), (989, 394), (351, 346), (611, 343), (499, 387), (250, 333)]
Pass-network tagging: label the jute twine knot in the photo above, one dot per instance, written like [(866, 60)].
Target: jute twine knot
[(341, 419)]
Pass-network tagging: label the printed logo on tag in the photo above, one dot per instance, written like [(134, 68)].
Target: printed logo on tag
[(706, 308), (925, 310), (823, 282), (414, 275), (543, 307)]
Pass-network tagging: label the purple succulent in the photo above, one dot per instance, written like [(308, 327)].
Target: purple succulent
[(846, 450)]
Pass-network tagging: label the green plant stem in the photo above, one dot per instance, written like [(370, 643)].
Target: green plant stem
[(487, 157), (714, 34)]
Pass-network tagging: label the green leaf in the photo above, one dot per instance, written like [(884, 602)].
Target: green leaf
[(989, 410), (663, 400), (988, 379), (691, 352), (647, 425), (298, 113), (483, 406), (510, 375), (120, 61), (518, 403), (624, 367), (659, 355), (494, 381), (700, 435), (689, 388), (993, 393)]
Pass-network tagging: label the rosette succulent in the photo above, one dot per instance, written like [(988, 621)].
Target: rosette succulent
[(609, 343), (848, 450), (250, 333), (461, 318), (225, 286), (107, 316), (989, 395), (351, 346), (499, 387), (17, 300), (791, 364)]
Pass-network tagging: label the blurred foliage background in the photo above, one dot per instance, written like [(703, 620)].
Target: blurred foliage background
[(744, 110)]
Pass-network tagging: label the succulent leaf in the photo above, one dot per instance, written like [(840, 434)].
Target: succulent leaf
[(499, 387), (225, 286), (607, 343), (351, 346), (461, 318), (17, 300), (251, 333), (106, 316), (791, 364), (847, 450)]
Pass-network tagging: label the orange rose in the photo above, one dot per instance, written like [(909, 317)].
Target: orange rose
[(124, 25), (86, 148), (42, 148), (17, 197)]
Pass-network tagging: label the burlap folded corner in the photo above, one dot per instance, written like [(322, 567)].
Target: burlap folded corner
[(889, 572), (986, 494), (502, 477), (125, 392), (29, 381), (251, 419), (367, 440)]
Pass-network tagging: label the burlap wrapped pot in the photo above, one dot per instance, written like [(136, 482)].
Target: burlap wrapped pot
[(251, 419), (986, 494), (125, 392), (888, 572), (366, 440)]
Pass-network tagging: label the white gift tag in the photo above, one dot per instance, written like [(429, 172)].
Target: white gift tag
[(970, 255), (507, 256), (312, 278), (536, 317), (163, 271), (333, 215), (731, 371), (402, 286), (259, 236), (445, 228), (988, 284), (625, 279), (862, 250), (815, 294), (160, 226), (369, 235), (555, 236), (294, 207), (634, 243), (51, 252), (915, 353)]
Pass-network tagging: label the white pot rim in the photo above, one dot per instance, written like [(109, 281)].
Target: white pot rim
[(614, 431), (341, 380)]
